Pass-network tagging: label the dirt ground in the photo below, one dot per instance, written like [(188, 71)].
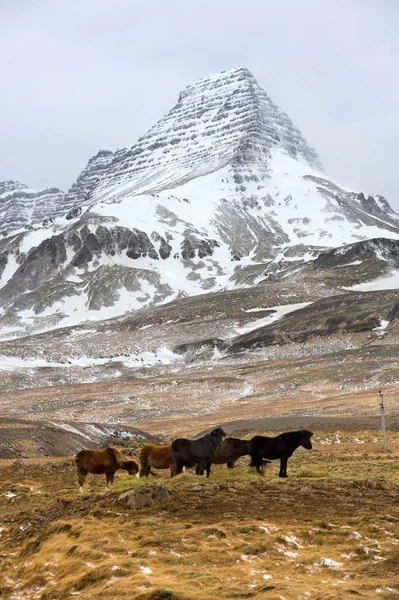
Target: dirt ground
[(330, 531)]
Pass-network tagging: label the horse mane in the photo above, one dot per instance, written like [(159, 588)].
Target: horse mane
[(307, 433), (119, 456), (297, 433)]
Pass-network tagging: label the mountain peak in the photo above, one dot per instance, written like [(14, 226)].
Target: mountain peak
[(224, 119)]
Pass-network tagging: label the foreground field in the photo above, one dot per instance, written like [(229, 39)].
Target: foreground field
[(331, 531)]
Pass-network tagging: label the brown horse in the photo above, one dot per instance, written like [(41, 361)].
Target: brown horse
[(230, 451), (159, 457), (105, 461)]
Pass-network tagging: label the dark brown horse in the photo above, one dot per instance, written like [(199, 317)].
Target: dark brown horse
[(199, 453), (105, 461), (282, 446), (159, 457), (230, 451)]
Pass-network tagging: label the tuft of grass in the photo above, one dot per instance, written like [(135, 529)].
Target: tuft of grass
[(6, 591), (72, 549), (246, 529), (91, 577), (160, 595), (254, 549), (214, 531), (19, 490), (33, 545)]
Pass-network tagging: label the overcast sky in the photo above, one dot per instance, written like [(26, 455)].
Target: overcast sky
[(80, 75)]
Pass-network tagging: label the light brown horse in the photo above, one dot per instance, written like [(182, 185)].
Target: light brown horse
[(159, 457), (105, 461)]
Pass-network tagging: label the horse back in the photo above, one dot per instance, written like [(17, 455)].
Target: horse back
[(230, 450), (96, 461), (268, 447), (158, 457), (194, 451)]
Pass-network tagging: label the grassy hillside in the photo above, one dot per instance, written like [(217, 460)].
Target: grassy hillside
[(330, 531)]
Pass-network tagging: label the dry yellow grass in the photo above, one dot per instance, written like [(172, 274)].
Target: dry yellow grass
[(331, 531)]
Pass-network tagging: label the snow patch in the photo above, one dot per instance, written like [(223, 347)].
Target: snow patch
[(145, 570), (279, 312), (389, 282), (162, 356), (329, 562)]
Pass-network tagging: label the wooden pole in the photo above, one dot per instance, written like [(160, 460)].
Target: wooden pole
[(384, 435)]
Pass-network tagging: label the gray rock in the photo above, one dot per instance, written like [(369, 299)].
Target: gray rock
[(145, 497)]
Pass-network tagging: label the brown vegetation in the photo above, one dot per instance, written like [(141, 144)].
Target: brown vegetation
[(328, 532)]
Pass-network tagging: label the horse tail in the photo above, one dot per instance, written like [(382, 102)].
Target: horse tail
[(144, 458), (80, 470)]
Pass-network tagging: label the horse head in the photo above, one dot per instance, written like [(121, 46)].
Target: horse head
[(131, 467), (217, 436), (305, 440)]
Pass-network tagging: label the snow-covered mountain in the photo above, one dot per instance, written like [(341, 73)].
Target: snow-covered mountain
[(221, 192)]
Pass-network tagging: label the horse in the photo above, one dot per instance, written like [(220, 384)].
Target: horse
[(230, 451), (200, 452), (282, 446), (159, 457), (105, 461)]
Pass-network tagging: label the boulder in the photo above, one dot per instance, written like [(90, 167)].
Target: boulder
[(145, 496)]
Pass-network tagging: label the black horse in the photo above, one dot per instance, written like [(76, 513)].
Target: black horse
[(188, 453), (282, 446)]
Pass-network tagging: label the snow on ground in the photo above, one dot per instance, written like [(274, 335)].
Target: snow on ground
[(35, 237), (9, 270), (329, 562), (163, 356), (389, 282), (280, 311), (355, 262), (383, 325)]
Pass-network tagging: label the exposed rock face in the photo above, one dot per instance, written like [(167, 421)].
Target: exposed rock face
[(82, 261), (145, 497), (21, 207), (381, 248), (192, 247)]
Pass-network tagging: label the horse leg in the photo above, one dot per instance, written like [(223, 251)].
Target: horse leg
[(199, 469), (179, 464), (109, 475), (172, 469), (208, 468), (283, 467), (82, 474), (230, 464), (256, 461)]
